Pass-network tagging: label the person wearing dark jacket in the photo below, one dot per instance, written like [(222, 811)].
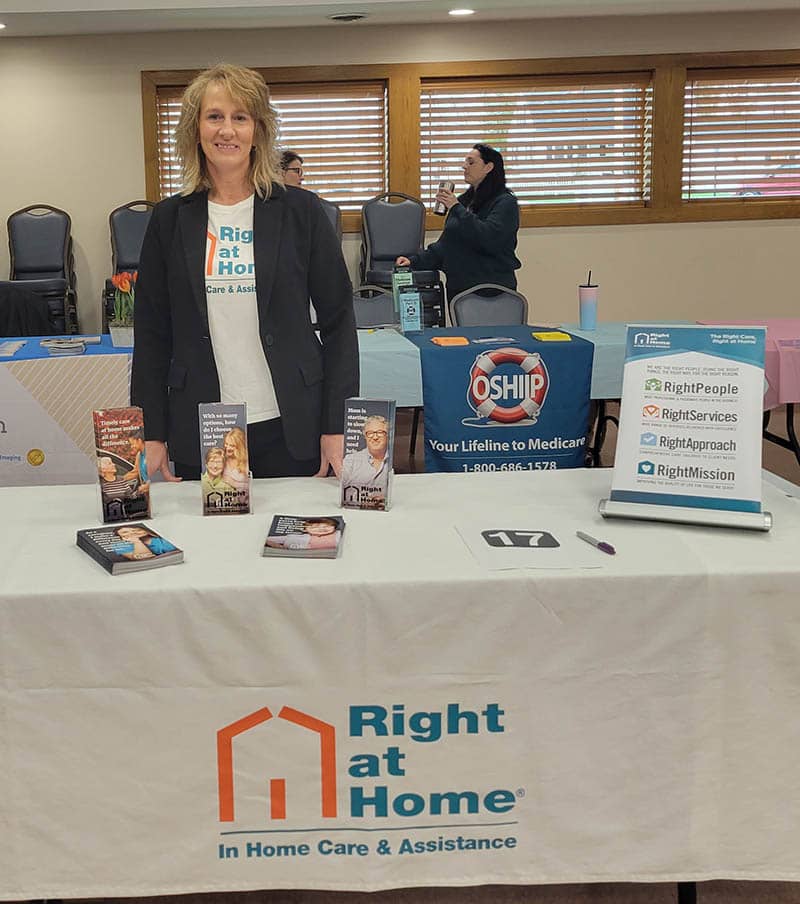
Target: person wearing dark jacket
[(222, 312), (479, 238)]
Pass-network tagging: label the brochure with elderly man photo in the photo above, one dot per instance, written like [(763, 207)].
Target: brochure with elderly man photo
[(121, 464), (367, 468)]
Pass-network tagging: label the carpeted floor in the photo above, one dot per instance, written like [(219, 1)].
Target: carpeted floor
[(601, 893)]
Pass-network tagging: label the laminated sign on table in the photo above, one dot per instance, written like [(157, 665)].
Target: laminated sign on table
[(689, 443)]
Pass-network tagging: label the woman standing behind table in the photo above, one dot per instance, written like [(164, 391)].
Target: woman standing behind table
[(480, 233), (222, 311)]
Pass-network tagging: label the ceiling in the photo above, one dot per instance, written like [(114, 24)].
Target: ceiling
[(69, 17)]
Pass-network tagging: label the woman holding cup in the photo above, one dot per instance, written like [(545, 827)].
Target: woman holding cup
[(479, 238)]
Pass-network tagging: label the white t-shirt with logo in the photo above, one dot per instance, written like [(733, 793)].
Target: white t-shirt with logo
[(244, 374)]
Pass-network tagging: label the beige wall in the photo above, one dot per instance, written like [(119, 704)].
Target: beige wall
[(75, 140)]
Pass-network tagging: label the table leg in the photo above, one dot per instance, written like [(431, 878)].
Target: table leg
[(412, 448), (687, 893), (791, 443), (601, 422)]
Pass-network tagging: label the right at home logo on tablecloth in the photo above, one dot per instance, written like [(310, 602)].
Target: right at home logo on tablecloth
[(387, 784)]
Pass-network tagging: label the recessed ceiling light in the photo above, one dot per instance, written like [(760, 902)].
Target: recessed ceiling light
[(347, 17), (2, 25), (462, 12)]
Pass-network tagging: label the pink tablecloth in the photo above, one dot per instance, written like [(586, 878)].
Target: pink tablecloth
[(782, 360)]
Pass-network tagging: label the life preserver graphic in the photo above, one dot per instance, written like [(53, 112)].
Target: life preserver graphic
[(530, 385)]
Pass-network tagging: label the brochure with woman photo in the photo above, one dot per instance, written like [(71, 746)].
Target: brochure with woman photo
[(225, 477), (121, 464), (313, 537), (128, 547)]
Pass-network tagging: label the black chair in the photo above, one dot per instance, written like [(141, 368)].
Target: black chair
[(392, 226), (127, 225), (488, 305), (23, 312), (40, 248), (373, 307)]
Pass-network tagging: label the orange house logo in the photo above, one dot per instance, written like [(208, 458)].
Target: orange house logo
[(277, 786)]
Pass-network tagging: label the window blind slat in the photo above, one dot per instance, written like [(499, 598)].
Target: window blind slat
[(577, 139), (339, 129), (742, 134)]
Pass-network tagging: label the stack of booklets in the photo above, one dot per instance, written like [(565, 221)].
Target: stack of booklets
[(128, 547), (66, 347), (317, 537)]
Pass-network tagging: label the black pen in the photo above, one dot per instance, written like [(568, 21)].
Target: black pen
[(598, 544)]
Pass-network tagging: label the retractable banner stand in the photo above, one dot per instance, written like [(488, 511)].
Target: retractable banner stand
[(689, 443), (511, 398)]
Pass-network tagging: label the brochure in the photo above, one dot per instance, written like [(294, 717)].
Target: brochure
[(225, 478), (410, 303), (368, 454), (313, 537), (129, 547), (121, 464), (402, 276)]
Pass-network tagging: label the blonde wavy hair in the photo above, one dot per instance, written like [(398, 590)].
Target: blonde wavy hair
[(247, 88), (239, 441)]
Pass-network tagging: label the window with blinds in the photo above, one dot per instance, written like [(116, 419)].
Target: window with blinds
[(168, 108), (741, 134), (565, 140), (340, 130)]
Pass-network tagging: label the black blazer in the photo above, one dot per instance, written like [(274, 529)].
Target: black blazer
[(297, 257)]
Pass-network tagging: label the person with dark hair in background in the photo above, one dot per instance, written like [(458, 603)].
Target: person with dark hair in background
[(292, 168), (479, 238)]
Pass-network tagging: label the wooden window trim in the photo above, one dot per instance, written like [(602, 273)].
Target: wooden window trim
[(403, 84)]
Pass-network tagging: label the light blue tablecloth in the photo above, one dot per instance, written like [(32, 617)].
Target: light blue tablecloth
[(390, 367), (609, 354), (609, 357)]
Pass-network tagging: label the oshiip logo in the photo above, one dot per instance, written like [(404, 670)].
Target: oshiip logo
[(507, 387), (326, 734)]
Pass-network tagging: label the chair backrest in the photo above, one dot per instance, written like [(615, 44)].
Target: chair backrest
[(391, 229), (39, 243), (488, 305), (334, 215), (128, 224), (373, 306)]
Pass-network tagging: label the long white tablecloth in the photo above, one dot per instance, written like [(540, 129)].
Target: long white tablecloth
[(636, 722)]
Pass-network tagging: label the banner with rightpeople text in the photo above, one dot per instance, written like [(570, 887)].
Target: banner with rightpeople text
[(690, 422)]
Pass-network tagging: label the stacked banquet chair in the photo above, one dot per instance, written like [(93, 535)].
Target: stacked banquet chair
[(392, 226), (42, 263), (127, 225), (23, 313), (373, 307), (334, 215)]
